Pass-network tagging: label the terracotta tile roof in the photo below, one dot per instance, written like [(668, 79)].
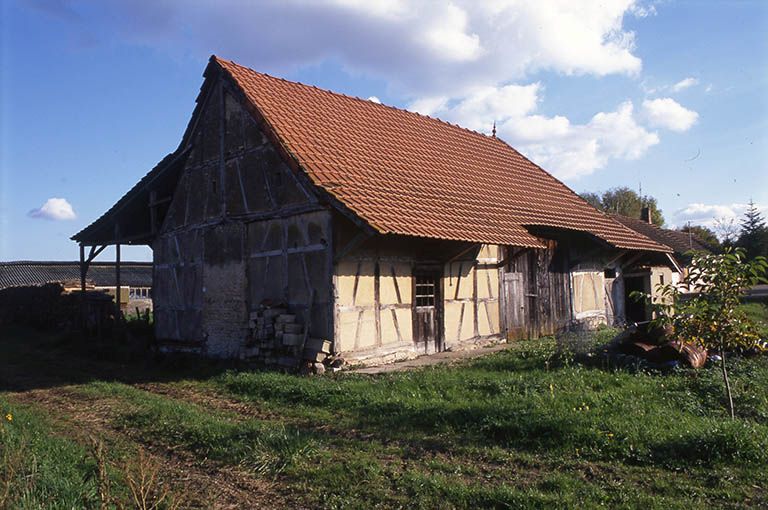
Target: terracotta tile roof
[(680, 242), (405, 173)]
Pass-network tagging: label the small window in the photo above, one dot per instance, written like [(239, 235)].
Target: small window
[(661, 279), (425, 291)]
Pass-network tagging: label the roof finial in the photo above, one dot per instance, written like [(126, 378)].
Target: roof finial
[(493, 133)]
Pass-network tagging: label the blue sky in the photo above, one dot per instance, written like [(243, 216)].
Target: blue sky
[(667, 95)]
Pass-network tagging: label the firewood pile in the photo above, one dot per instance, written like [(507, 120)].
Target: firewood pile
[(645, 346), (278, 340)]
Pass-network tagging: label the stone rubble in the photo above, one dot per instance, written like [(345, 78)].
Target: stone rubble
[(277, 340)]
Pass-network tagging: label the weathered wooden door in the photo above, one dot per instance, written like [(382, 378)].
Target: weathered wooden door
[(514, 301), (426, 312)]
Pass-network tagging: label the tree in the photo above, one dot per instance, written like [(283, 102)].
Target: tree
[(706, 235), (711, 316), (593, 199), (727, 231), (625, 201), (753, 236)]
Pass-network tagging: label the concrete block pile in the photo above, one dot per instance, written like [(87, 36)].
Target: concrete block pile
[(276, 339)]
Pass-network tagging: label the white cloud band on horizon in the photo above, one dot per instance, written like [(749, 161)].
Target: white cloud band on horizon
[(709, 215), (54, 209)]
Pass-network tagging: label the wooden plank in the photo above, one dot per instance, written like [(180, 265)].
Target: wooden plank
[(397, 287), (458, 281), (357, 281), (291, 251), (358, 329), (242, 187), (222, 164), (475, 311), (285, 275), (268, 187), (377, 301), (389, 306), (397, 325)]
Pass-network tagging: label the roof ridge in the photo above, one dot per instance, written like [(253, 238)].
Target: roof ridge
[(356, 98)]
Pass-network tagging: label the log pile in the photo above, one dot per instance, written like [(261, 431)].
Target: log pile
[(278, 340)]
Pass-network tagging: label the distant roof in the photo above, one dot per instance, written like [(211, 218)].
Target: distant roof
[(101, 274), (681, 242), (406, 173)]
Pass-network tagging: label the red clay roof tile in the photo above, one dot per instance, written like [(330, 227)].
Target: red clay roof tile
[(406, 173)]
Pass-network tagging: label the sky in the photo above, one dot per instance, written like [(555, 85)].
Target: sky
[(667, 97)]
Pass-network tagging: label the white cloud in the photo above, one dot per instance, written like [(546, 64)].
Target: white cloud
[(567, 150), (419, 47), (462, 60), (709, 214), (668, 113), (684, 84), (54, 209), (374, 99)]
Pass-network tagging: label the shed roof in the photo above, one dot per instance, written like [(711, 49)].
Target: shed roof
[(406, 173), (680, 242), (102, 274)]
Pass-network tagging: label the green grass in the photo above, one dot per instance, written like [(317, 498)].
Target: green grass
[(758, 313), (264, 447), (511, 430), (39, 469)]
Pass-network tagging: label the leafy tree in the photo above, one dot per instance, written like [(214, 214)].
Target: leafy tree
[(711, 317), (706, 235), (593, 199), (753, 236), (625, 201)]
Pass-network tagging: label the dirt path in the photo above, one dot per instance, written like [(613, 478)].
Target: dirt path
[(200, 483)]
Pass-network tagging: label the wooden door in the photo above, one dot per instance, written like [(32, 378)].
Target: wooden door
[(514, 302), (426, 312)]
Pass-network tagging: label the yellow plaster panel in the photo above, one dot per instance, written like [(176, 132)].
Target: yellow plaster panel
[(349, 323), (452, 310), (389, 331), (388, 290), (588, 291), (487, 283), (458, 275)]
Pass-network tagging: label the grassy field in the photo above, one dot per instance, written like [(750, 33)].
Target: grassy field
[(517, 429)]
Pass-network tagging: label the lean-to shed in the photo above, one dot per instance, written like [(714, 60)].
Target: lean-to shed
[(387, 232)]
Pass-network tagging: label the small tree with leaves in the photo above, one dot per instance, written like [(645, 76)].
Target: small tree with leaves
[(708, 314)]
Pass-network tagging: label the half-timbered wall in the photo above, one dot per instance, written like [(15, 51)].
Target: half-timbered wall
[(375, 288), (289, 263), (211, 251), (472, 296)]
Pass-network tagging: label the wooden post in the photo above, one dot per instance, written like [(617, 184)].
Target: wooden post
[(117, 275), (82, 269), (83, 312)]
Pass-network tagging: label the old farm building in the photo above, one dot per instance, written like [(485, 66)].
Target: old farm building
[(386, 232)]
